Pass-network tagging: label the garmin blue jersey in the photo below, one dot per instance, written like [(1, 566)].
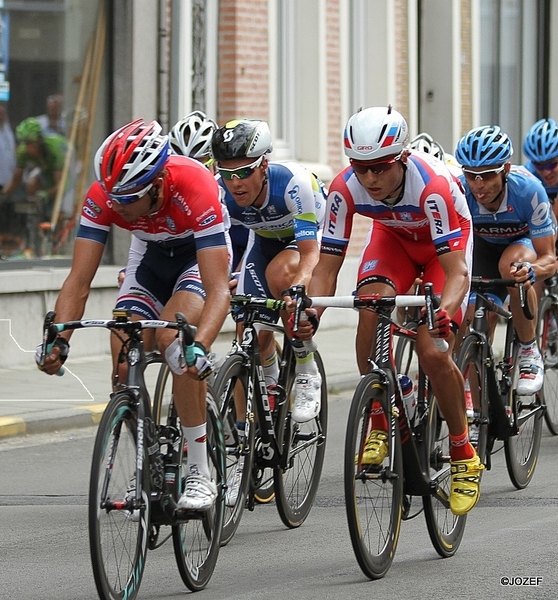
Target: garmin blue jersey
[(524, 211)]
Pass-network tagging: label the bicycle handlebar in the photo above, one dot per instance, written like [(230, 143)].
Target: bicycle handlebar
[(186, 332), (485, 283), (377, 301)]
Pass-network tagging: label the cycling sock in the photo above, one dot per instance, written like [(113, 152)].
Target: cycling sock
[(461, 448), (378, 419), (197, 450), (306, 364), (271, 368), (527, 346)]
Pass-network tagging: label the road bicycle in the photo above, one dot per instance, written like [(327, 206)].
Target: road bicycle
[(547, 334), (268, 444), (501, 414), (137, 471), (378, 497)]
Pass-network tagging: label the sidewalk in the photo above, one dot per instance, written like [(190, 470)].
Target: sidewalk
[(32, 402)]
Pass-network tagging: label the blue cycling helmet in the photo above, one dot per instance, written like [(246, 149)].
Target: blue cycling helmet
[(485, 146), (541, 142)]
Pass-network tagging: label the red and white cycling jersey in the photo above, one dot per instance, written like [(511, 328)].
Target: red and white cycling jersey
[(191, 211), (432, 207)]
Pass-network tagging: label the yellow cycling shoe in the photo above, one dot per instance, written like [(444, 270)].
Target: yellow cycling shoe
[(465, 484), (375, 448)]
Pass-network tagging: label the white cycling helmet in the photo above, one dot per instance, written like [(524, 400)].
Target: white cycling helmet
[(191, 136), (375, 133), (425, 143)]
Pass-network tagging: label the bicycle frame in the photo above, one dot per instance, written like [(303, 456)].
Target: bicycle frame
[(418, 481), (499, 374), (273, 454)]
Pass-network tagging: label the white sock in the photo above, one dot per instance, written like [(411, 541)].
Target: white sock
[(197, 450)]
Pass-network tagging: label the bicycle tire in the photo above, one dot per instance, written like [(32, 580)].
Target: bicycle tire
[(470, 363), (444, 528), (547, 334), (297, 485), (373, 495), (231, 382), (522, 449), (197, 542), (118, 538)]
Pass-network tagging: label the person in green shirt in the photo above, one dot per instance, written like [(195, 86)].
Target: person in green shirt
[(39, 164)]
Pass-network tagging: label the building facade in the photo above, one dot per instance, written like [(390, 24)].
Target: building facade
[(302, 65)]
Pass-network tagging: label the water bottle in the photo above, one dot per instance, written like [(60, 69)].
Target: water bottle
[(409, 398)]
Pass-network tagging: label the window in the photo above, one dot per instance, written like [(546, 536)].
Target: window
[(51, 69)]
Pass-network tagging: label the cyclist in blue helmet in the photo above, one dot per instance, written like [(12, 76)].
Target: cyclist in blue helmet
[(540, 146), (511, 225)]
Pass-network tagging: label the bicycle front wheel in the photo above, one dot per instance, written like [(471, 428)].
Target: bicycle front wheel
[(118, 535), (297, 485), (231, 392), (522, 449), (547, 334), (373, 493), (470, 363), (444, 528), (197, 541)]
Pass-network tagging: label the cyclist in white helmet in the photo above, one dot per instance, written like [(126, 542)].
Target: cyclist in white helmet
[(421, 224), (425, 143)]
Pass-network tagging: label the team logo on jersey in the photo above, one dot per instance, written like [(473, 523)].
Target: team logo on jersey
[(94, 206), (208, 221), (89, 212), (271, 209), (369, 265), (406, 216), (170, 223)]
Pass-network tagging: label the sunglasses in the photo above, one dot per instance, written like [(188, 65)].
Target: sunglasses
[(131, 198), (241, 172), (376, 167), (549, 166), (482, 175)]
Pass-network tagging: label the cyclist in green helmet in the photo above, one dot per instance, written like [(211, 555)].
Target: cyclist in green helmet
[(39, 164)]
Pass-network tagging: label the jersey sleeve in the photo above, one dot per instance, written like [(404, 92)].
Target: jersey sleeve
[(96, 216), (300, 200), (439, 207), (338, 221)]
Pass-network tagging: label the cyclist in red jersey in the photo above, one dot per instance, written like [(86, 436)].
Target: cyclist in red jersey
[(421, 223), (178, 262)]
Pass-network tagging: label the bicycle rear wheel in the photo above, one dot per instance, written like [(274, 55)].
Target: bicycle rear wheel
[(522, 450), (197, 541), (547, 334), (373, 493), (118, 535), (444, 528), (231, 391), (297, 485)]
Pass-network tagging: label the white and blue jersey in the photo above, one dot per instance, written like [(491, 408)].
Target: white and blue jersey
[(523, 213), (292, 211)]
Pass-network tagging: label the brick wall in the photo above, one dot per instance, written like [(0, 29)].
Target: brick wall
[(243, 60)]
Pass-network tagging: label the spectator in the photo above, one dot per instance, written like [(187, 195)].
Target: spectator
[(39, 164), (53, 122)]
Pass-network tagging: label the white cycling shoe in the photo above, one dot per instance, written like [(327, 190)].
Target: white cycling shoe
[(531, 372), (308, 397), (199, 493)]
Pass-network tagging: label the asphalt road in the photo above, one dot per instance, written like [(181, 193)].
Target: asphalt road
[(510, 539)]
